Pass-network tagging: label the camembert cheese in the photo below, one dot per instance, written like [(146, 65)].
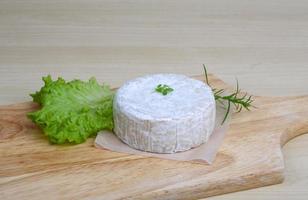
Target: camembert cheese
[(150, 121)]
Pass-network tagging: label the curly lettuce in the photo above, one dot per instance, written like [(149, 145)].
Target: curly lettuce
[(72, 111)]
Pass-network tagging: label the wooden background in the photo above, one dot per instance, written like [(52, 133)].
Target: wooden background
[(263, 43)]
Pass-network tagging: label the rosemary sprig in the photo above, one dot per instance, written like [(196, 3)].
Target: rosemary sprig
[(239, 102)]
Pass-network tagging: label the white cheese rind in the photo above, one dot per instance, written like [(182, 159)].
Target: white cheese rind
[(149, 121)]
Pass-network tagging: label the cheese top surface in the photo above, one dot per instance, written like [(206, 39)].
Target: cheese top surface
[(139, 98)]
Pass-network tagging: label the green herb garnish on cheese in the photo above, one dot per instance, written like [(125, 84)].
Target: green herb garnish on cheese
[(163, 89)]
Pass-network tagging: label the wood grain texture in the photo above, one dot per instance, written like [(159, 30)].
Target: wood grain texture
[(263, 43), (250, 157)]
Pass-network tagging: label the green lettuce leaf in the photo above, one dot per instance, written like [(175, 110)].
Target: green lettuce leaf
[(72, 111)]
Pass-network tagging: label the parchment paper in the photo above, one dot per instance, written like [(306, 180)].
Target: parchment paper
[(204, 153)]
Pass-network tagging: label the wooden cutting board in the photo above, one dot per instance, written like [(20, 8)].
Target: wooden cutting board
[(249, 157)]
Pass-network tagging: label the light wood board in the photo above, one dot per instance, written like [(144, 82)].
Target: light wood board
[(250, 157)]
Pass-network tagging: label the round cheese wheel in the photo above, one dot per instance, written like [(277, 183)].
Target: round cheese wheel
[(150, 121)]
